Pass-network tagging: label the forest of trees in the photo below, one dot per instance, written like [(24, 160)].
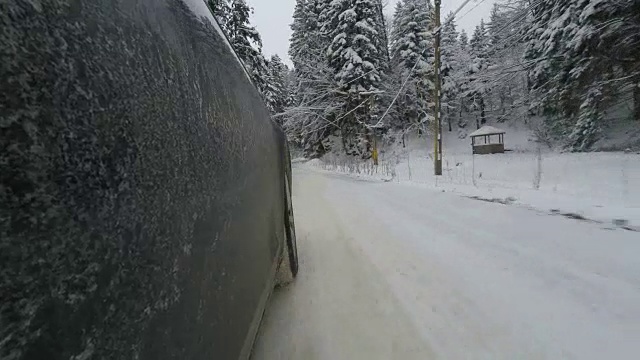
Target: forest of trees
[(561, 66), (271, 76)]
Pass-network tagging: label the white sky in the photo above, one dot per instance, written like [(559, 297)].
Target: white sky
[(273, 17)]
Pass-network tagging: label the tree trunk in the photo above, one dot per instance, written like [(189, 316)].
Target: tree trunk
[(461, 106), (400, 111), (343, 135), (483, 119), (418, 109)]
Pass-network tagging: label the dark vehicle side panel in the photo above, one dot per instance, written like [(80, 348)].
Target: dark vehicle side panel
[(141, 183)]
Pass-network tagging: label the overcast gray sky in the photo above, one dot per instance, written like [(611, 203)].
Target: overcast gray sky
[(273, 17)]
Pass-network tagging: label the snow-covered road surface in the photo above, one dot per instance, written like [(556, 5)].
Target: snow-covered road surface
[(391, 271)]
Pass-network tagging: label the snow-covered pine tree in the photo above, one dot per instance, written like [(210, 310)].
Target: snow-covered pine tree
[(544, 45), (382, 40), (222, 11), (456, 81), (464, 39), (276, 91), (462, 76), (270, 93), (451, 56), (476, 88), (247, 43), (298, 41), (479, 42), (381, 101), (496, 28), (355, 60), (412, 55), (602, 50), (507, 96), (587, 127), (393, 81), (626, 46), (308, 121), (585, 57), (308, 42), (353, 53), (290, 85)]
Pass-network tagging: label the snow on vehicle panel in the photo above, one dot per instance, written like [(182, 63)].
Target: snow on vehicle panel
[(199, 7)]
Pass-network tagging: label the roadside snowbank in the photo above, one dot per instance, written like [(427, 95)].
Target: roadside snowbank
[(603, 187)]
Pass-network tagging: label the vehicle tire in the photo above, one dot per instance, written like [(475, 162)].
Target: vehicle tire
[(288, 267)]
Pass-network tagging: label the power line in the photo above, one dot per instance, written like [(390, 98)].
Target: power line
[(410, 74), (470, 10), (406, 80), (439, 28)]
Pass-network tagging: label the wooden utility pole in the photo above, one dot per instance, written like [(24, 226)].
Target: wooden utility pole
[(437, 158)]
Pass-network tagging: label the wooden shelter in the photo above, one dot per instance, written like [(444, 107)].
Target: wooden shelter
[(487, 140)]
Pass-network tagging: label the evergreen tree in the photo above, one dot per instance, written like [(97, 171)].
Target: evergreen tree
[(382, 100), (298, 40), (412, 53), (382, 38), (506, 91), (353, 53), (451, 53), (464, 39), (308, 42), (496, 29), (276, 92), (247, 43), (461, 74), (476, 87), (355, 60), (585, 56), (455, 61), (587, 127), (222, 12), (290, 86), (479, 42), (309, 120)]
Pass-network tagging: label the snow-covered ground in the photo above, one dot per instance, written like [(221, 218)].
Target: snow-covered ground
[(398, 271), (601, 186)]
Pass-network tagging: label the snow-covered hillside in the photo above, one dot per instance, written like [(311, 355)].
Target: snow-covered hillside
[(599, 186)]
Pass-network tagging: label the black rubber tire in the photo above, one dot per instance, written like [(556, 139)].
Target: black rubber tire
[(288, 266), (290, 230)]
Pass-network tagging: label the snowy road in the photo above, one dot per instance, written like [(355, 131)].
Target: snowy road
[(392, 271)]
